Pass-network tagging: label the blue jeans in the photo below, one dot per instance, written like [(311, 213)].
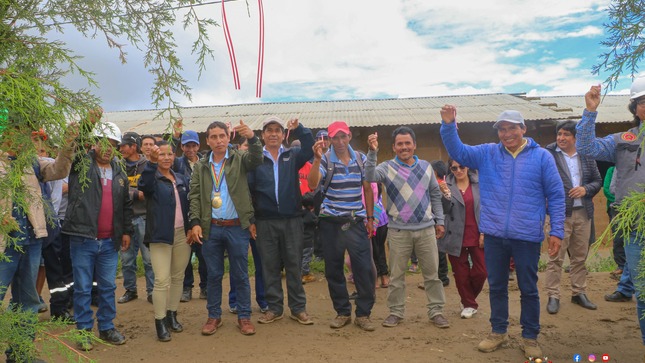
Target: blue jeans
[(189, 276), (633, 249), (625, 285), (89, 256), (498, 253), (129, 259), (259, 281), (235, 240)]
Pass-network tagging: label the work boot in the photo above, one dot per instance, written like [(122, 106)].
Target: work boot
[(531, 348), (492, 342)]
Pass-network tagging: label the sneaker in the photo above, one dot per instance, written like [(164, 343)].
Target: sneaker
[(85, 342), (128, 296), (112, 336), (531, 348), (42, 307), (302, 317), (186, 295), (468, 313), (232, 309), (246, 327), (65, 316), (264, 309), (269, 317), (617, 296), (440, 321), (202, 294), (308, 278), (492, 342), (391, 321), (211, 326), (340, 321), (364, 323)]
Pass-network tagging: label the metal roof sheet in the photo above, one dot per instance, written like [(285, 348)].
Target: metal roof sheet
[(366, 113)]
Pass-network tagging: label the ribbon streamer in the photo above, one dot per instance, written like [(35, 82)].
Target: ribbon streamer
[(258, 82), (231, 50)]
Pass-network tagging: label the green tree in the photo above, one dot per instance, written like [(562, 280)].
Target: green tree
[(34, 96)]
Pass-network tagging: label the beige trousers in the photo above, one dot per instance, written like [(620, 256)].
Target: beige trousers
[(169, 263), (577, 230)]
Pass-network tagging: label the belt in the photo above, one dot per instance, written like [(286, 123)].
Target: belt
[(225, 222)]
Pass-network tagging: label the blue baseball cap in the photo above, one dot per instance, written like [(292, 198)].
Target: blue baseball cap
[(322, 133), (189, 136)]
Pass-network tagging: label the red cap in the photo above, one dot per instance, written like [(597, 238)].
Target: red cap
[(337, 126)]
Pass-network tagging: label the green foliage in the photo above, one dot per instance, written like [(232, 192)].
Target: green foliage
[(625, 41)]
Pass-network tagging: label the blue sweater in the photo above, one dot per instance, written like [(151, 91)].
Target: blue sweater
[(514, 191)]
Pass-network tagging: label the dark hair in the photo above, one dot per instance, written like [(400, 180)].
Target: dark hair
[(161, 143), (241, 140), (216, 124), (403, 130), (148, 137), (632, 109), (566, 126), (440, 168)]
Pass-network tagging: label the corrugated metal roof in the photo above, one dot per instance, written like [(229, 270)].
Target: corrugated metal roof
[(366, 113)]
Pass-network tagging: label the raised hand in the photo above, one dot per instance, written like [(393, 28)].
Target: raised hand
[(244, 130), (318, 149), (154, 154), (592, 98), (292, 124), (178, 127), (372, 141), (448, 113)]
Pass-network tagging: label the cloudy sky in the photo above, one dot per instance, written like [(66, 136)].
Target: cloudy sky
[(358, 49)]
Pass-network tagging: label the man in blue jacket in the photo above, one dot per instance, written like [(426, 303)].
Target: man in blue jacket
[(518, 180), (278, 215)]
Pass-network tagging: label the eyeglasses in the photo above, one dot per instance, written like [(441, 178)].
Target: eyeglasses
[(454, 168)]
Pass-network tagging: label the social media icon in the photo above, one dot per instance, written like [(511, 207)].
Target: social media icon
[(592, 358), (577, 358), (605, 358)]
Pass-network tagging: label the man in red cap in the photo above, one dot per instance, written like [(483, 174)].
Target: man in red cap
[(343, 226)]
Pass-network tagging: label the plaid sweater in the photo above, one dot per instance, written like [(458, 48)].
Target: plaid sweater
[(414, 197)]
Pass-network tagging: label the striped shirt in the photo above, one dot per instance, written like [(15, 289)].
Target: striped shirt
[(345, 194)]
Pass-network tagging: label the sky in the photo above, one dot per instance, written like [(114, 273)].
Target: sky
[(371, 49)]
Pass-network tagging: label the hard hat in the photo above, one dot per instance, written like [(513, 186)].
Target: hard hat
[(638, 88), (109, 130)]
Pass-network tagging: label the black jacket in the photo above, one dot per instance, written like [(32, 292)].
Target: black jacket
[(82, 216), (182, 166), (590, 180), (262, 183), (161, 204)]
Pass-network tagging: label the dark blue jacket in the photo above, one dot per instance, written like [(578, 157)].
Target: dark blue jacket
[(262, 183), (161, 204)]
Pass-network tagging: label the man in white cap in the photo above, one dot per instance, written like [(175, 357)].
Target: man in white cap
[(624, 149), (278, 217), (519, 185)]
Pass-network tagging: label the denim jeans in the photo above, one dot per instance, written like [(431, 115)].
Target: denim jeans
[(625, 284), (189, 275), (359, 247), (259, 281), (633, 249), (498, 253), (89, 256), (235, 240), (129, 259)]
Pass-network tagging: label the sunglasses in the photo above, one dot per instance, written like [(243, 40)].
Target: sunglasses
[(454, 168)]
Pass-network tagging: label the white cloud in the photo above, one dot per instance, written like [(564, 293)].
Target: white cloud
[(364, 49)]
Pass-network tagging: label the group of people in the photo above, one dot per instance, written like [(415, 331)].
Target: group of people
[(487, 213)]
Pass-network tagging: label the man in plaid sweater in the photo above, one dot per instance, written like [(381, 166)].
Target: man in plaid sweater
[(416, 221)]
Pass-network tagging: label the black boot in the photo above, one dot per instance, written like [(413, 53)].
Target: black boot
[(162, 331), (173, 324)]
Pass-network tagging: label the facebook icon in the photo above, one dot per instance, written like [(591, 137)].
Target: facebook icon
[(577, 357)]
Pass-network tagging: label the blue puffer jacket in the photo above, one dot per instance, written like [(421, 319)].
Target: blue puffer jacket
[(514, 191)]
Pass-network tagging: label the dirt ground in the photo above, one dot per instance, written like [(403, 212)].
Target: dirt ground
[(612, 329)]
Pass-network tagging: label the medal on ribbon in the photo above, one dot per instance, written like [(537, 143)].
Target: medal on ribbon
[(216, 202)]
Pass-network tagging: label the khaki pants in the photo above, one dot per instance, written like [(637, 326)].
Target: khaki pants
[(424, 243), (577, 230), (169, 263)]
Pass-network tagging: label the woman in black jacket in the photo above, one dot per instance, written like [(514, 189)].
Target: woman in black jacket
[(166, 194)]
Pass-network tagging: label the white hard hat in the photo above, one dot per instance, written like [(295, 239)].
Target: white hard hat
[(109, 130), (638, 88)]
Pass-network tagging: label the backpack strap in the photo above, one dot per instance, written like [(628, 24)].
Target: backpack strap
[(329, 175)]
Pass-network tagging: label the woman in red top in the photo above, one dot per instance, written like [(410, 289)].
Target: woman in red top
[(462, 240)]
